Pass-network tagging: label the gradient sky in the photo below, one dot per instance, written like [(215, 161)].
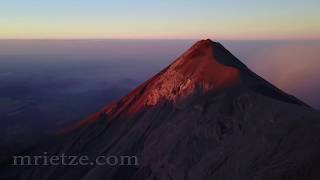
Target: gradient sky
[(177, 19)]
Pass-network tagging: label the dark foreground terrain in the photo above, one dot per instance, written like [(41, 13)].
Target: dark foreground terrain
[(206, 116)]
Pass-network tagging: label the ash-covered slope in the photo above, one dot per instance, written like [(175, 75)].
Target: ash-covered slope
[(206, 116)]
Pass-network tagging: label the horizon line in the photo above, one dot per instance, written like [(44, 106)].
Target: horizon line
[(150, 39)]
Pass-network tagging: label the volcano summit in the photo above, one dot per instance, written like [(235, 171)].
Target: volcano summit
[(205, 116)]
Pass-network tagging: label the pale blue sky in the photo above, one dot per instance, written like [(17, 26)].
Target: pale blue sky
[(245, 19)]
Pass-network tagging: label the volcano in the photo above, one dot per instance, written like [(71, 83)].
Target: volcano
[(205, 116), (206, 67)]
